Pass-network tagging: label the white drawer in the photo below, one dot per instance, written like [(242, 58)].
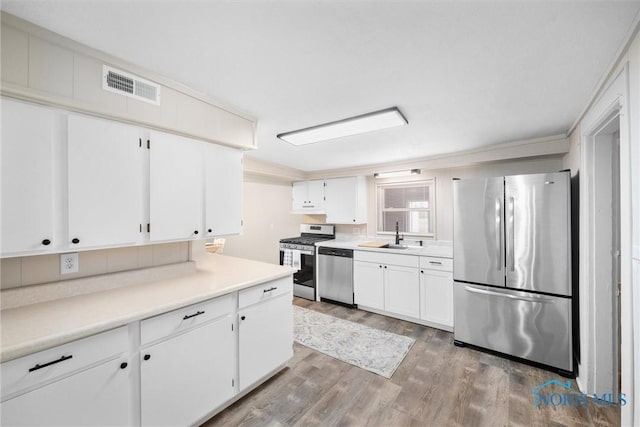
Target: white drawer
[(386, 258), (436, 263), (30, 371), (163, 325), (264, 291)]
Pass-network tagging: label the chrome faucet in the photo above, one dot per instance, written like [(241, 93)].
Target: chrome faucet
[(398, 238)]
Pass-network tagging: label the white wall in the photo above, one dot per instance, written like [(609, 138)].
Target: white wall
[(267, 219), (630, 293), (631, 414), (444, 200)]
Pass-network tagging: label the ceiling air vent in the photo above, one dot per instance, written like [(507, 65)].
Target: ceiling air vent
[(129, 85)]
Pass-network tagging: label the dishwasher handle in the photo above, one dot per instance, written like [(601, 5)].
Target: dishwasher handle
[(344, 253)]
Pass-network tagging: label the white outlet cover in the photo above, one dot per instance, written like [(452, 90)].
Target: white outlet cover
[(69, 263)]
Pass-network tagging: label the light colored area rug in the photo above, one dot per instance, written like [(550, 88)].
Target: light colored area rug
[(377, 351)]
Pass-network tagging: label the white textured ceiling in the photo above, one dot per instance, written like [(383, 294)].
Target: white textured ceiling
[(465, 74)]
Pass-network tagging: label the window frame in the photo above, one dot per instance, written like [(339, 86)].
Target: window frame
[(431, 183)]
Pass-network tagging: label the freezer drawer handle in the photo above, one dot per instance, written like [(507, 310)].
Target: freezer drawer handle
[(500, 294), (198, 313), (62, 359)]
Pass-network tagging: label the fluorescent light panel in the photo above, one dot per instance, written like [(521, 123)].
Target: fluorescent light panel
[(396, 174), (383, 119)]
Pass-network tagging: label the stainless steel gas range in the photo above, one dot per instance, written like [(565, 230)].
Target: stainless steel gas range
[(300, 253)]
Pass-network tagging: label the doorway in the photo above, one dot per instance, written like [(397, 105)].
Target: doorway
[(604, 210), (606, 359)]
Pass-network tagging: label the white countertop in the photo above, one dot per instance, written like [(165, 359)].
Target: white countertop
[(36, 327), (440, 249)]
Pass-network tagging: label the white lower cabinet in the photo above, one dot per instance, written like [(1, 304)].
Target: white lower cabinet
[(436, 291), (265, 330), (189, 361), (187, 365), (86, 382), (368, 284), (96, 397), (387, 282), (417, 288), (402, 290), (185, 377)]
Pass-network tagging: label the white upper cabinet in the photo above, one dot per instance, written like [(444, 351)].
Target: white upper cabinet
[(27, 157), (74, 182), (308, 196), (105, 183), (346, 200), (223, 190), (176, 187)]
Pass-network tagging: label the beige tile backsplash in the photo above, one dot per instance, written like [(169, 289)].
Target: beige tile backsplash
[(31, 270)]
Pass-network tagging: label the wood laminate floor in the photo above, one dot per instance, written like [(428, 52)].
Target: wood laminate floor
[(437, 384)]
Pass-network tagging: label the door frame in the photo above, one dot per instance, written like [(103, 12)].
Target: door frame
[(612, 104)]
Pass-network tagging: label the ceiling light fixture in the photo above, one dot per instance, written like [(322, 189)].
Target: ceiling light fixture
[(383, 119), (396, 174)]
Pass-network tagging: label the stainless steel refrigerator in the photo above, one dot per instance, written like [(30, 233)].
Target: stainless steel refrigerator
[(512, 266)]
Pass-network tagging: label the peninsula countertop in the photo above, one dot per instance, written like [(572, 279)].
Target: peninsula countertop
[(32, 328)]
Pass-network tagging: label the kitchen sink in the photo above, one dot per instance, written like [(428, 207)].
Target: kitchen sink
[(398, 247)]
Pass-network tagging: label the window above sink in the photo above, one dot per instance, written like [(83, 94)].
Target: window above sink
[(411, 204)]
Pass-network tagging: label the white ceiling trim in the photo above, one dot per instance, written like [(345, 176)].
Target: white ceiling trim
[(555, 145)]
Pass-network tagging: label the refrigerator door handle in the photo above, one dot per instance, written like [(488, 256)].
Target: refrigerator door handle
[(511, 238), (539, 299), (498, 234)]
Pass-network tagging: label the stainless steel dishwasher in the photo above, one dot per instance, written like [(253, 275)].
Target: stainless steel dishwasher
[(335, 275)]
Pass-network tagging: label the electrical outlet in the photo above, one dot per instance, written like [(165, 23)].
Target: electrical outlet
[(69, 263)]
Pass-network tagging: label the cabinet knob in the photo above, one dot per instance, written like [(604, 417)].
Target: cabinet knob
[(379, 266), (354, 220), (385, 266), (75, 240), (422, 271), (46, 242), (209, 231), (147, 357), (243, 317), (195, 232), (123, 365)]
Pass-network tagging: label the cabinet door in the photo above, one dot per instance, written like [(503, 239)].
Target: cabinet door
[(266, 338), (96, 397), (402, 290), (299, 195), (436, 296), (223, 172), (341, 200), (368, 284), (26, 155), (184, 378), (346, 200), (176, 187), (105, 182), (315, 193)]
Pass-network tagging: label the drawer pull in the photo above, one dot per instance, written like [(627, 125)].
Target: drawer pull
[(243, 317), (435, 262), (124, 365), (270, 289), (147, 357), (198, 313), (62, 359)]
